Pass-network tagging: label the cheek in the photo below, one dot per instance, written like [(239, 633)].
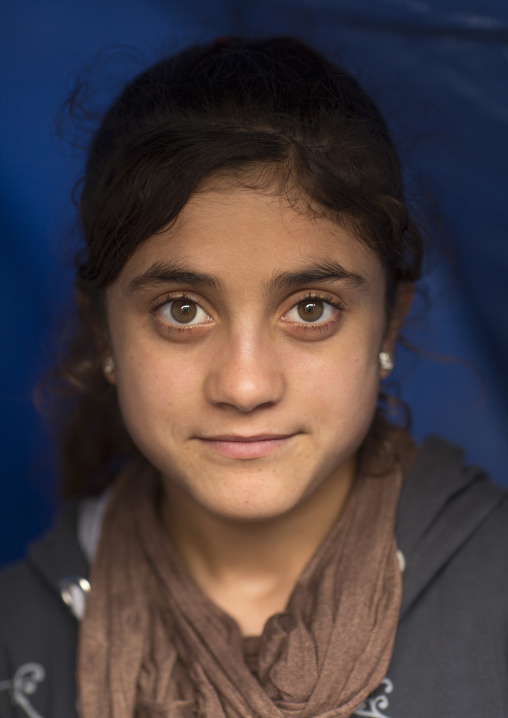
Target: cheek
[(339, 389), (156, 389), (344, 385)]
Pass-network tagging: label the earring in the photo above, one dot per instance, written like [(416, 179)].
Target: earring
[(385, 361), (109, 365)]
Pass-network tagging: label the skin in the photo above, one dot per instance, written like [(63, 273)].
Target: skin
[(252, 414)]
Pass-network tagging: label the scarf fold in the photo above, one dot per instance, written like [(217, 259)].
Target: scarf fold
[(152, 645)]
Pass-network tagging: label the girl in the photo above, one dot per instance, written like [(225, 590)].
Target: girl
[(262, 542)]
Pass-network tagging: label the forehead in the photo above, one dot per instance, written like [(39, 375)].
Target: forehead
[(248, 235)]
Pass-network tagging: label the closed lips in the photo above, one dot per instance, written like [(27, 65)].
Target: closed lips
[(258, 437), (246, 447)]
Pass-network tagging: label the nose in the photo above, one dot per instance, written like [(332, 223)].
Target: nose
[(245, 373)]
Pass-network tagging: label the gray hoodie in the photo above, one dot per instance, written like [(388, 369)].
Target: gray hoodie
[(451, 651)]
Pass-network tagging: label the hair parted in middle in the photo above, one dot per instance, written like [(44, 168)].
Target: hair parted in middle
[(269, 114)]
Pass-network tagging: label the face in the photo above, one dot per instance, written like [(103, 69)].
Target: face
[(246, 342)]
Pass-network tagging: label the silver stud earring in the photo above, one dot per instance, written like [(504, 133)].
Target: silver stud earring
[(108, 365), (385, 361)]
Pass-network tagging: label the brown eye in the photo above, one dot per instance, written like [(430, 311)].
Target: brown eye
[(183, 311), (310, 310)]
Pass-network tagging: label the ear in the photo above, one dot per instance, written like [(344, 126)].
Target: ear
[(109, 369), (401, 306), (93, 316)]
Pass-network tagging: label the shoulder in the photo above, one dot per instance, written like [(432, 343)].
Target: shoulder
[(33, 587), (38, 632), (451, 646), (442, 491), (29, 606), (451, 515)]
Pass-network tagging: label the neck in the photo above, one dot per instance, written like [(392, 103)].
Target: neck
[(249, 568)]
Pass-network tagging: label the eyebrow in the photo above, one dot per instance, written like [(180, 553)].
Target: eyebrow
[(320, 272), (164, 273)]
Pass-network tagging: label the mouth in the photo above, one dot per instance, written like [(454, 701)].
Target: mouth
[(246, 447)]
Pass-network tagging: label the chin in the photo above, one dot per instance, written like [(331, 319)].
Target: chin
[(254, 512), (252, 501)]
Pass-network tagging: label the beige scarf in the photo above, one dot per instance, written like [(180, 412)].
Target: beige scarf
[(152, 645)]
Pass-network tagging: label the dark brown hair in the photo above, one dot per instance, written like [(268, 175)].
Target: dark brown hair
[(268, 112)]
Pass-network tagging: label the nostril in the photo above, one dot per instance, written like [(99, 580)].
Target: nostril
[(244, 390), (246, 407)]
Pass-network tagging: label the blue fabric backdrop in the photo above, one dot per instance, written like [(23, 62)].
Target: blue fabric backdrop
[(438, 70)]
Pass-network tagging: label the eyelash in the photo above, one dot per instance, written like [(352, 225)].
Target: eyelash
[(306, 326), (170, 328), (326, 299)]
